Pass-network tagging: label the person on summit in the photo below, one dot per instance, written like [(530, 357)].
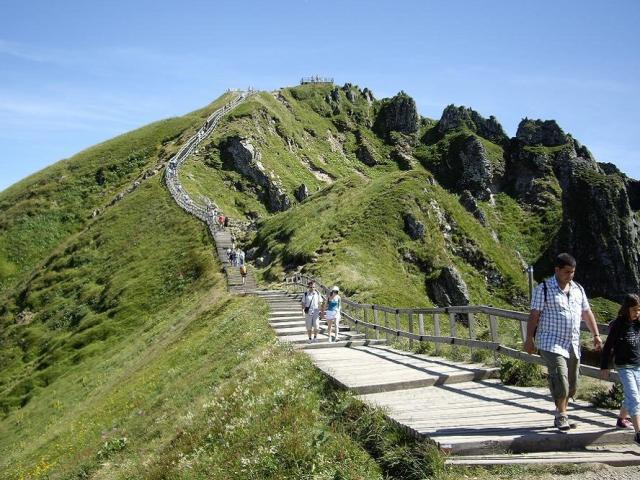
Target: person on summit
[(558, 305), (311, 301), (623, 344), (331, 310)]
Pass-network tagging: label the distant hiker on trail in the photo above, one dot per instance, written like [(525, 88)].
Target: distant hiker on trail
[(623, 343), (221, 220), (331, 310), (241, 256), (229, 254), (557, 307), (233, 258), (243, 273), (226, 221), (311, 301)]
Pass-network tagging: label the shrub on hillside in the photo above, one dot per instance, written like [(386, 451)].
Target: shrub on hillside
[(521, 374)]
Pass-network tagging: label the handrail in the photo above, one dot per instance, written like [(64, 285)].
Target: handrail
[(494, 314), (205, 213)]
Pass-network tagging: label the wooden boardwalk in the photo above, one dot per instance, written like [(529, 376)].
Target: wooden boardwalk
[(461, 406)]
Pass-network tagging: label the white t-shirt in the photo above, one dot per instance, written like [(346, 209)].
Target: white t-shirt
[(311, 300)]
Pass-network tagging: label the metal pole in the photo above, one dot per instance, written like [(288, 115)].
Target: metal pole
[(530, 276)]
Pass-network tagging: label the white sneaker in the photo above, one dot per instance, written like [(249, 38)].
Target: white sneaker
[(330, 339), (309, 341)]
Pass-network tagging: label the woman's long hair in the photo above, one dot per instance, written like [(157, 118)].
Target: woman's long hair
[(630, 300)]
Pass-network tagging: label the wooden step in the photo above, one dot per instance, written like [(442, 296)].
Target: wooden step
[(340, 344), (614, 455), (486, 417)]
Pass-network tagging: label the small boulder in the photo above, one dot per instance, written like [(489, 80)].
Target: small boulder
[(413, 227), (449, 289), (302, 192)]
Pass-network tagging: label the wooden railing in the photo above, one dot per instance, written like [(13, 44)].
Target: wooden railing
[(409, 323)]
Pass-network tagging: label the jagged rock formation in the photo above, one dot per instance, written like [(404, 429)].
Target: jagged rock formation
[(471, 205), (599, 227), (365, 152), (449, 288), (456, 117), (246, 159), (399, 114), (537, 132), (478, 174)]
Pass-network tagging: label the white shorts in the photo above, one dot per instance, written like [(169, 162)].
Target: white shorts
[(311, 319), (332, 315)]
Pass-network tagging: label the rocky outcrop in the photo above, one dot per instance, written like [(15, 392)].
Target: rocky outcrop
[(467, 165), (449, 288), (456, 117), (368, 96), (365, 152), (398, 114), (471, 205), (412, 226), (479, 175), (599, 228), (246, 159), (301, 192), (538, 132)]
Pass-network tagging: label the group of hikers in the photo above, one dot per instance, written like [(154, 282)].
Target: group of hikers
[(236, 258), (558, 306)]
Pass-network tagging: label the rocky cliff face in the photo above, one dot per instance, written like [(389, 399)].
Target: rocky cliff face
[(599, 227), (245, 158), (548, 169), (551, 175), (399, 114), (456, 117)]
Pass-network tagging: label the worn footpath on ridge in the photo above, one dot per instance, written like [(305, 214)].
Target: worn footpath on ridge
[(462, 407)]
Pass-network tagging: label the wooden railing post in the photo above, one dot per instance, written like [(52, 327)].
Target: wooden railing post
[(375, 321), (364, 319), (410, 314), (397, 322), (436, 330), (472, 329), (452, 327), (386, 324), (495, 337), (452, 324)]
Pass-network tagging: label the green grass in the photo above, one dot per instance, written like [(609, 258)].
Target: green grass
[(42, 210), (162, 374), (294, 129), (359, 242)]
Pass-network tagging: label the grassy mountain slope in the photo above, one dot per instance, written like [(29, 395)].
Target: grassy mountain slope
[(155, 371), (352, 233), (39, 212), (300, 138)]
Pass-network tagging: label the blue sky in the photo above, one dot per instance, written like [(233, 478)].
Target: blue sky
[(75, 73)]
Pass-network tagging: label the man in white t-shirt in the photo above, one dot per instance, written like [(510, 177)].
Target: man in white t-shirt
[(311, 301)]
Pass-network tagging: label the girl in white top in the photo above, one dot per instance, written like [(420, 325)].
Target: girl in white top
[(332, 310)]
